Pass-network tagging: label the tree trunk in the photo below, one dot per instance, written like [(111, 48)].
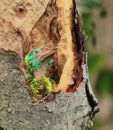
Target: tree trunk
[(25, 25)]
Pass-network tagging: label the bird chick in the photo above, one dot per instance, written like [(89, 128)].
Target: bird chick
[(37, 62)]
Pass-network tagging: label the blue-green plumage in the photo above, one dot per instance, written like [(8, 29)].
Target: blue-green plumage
[(37, 62)]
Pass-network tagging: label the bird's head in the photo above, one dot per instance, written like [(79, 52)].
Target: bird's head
[(38, 54)]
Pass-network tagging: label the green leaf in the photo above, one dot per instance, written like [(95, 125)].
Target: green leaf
[(94, 62), (104, 83), (91, 3)]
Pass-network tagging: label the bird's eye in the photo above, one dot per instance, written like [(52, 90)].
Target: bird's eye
[(36, 52)]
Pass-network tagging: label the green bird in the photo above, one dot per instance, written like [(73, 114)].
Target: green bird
[(37, 62)]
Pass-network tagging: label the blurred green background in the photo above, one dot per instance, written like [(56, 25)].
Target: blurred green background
[(97, 22)]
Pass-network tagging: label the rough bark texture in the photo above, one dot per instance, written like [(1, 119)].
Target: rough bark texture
[(66, 112), (25, 25)]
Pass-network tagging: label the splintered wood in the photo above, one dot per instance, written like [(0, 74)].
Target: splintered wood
[(65, 46)]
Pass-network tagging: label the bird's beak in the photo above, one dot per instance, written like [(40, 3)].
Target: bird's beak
[(47, 52)]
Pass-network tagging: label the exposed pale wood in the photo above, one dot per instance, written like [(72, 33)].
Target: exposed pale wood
[(65, 45)]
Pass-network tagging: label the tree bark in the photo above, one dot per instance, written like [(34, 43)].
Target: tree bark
[(25, 25)]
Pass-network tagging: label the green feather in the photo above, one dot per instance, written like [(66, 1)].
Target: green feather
[(31, 63), (48, 83), (41, 87)]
